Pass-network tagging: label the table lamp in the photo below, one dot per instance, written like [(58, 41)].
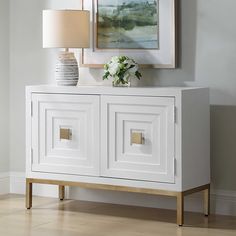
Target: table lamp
[(66, 29)]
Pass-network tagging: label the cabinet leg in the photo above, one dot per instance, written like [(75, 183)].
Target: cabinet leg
[(29, 189), (207, 201), (180, 209), (61, 192)]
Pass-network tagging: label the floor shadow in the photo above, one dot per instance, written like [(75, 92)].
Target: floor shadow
[(197, 220)]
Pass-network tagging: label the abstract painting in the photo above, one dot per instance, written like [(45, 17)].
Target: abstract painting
[(144, 30), (128, 24)]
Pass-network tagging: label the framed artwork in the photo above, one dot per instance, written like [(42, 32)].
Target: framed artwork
[(144, 30)]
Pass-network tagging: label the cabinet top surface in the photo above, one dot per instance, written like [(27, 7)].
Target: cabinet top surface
[(110, 90)]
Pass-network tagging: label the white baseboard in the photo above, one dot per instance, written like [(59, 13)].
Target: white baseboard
[(222, 202), (4, 183), (17, 185)]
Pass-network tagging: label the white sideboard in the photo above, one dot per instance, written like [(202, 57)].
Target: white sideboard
[(153, 140)]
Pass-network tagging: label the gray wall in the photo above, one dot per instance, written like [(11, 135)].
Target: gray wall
[(4, 84), (208, 58)]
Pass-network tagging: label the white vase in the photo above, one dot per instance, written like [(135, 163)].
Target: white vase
[(67, 72)]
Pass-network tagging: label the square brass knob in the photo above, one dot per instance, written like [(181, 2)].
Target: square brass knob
[(137, 138), (65, 134)]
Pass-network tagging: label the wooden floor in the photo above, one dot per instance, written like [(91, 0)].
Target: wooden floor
[(50, 217)]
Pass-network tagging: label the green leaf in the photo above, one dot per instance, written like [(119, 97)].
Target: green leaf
[(138, 75), (106, 75)]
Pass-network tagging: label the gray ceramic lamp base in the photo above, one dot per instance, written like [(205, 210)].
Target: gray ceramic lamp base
[(67, 71)]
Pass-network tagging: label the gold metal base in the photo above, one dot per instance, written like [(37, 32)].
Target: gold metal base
[(61, 192), (179, 195)]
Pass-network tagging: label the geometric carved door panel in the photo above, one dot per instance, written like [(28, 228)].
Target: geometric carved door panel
[(65, 137), (138, 138)]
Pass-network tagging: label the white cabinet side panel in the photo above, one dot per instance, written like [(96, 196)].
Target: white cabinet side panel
[(195, 138)]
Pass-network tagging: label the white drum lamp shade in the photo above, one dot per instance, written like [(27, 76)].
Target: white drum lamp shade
[(66, 29)]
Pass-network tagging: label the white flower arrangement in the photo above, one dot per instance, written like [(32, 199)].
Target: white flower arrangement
[(121, 69)]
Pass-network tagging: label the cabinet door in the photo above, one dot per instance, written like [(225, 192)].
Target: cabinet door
[(65, 134), (138, 138)]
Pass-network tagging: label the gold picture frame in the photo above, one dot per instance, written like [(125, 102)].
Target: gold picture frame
[(164, 57)]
